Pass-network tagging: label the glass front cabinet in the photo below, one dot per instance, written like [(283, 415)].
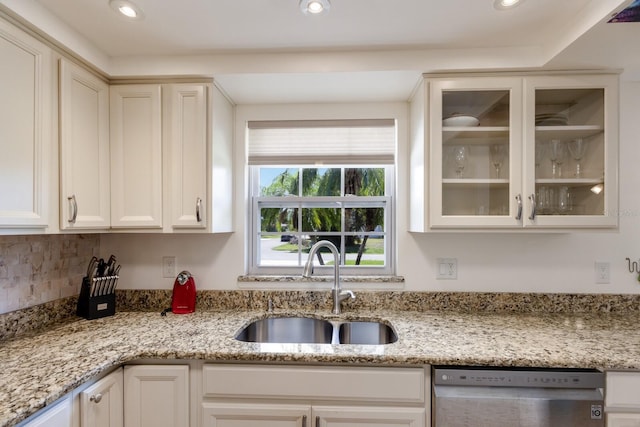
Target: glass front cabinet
[(531, 151)]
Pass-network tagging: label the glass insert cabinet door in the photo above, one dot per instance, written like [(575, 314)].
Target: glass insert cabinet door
[(571, 134), (476, 151), (527, 151)]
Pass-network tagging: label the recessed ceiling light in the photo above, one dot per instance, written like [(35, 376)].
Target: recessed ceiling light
[(314, 7), (127, 9), (506, 4)]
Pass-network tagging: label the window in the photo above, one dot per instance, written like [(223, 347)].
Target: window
[(334, 182)]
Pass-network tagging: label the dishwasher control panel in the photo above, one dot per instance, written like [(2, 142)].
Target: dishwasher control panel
[(505, 377)]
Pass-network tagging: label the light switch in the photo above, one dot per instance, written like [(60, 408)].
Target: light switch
[(602, 272), (447, 268)]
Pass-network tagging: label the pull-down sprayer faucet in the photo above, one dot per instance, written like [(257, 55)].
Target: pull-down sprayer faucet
[(337, 293)]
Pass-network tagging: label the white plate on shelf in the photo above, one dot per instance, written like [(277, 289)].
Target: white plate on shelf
[(460, 120)]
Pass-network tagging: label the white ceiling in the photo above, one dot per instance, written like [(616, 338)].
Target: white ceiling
[(363, 50)]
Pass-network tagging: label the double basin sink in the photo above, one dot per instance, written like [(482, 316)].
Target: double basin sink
[(308, 330)]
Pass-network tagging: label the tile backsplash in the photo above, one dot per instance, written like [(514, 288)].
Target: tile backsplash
[(36, 269)]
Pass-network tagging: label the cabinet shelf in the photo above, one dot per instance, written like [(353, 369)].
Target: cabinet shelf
[(471, 135), (473, 182), (568, 132), (574, 182)]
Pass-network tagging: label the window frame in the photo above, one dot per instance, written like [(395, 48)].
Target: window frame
[(388, 202)]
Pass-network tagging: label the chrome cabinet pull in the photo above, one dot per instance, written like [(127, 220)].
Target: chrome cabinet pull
[(519, 213), (74, 209), (198, 206), (532, 197), (304, 421), (96, 398)]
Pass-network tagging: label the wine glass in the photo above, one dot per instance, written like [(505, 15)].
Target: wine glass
[(578, 147), (460, 159), (498, 153), (540, 152), (557, 155)]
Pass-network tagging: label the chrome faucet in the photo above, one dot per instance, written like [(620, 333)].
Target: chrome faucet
[(337, 293)]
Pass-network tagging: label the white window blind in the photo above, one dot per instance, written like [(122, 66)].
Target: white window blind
[(322, 142)]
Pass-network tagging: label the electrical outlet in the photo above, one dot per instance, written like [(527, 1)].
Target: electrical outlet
[(602, 272), (447, 268), (168, 266)]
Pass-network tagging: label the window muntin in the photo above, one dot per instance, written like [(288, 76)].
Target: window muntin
[(294, 207)]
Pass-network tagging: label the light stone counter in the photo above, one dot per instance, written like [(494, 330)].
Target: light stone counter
[(37, 369)]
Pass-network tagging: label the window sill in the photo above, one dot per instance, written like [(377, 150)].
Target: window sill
[(299, 282)]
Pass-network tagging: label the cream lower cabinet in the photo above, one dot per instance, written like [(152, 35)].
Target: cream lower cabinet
[(59, 415), (254, 415), (102, 403), (622, 401), (156, 395), (96, 404), (277, 415), (269, 396)]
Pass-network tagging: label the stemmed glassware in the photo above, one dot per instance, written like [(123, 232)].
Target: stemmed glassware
[(498, 153), (540, 152), (557, 155), (460, 159), (578, 147)]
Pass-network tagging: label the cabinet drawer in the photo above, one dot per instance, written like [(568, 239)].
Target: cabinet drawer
[(623, 389), (623, 420), (332, 383)]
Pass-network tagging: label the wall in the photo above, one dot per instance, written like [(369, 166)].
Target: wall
[(38, 269), (486, 262)]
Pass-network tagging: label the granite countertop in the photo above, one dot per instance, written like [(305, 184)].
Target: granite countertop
[(39, 368)]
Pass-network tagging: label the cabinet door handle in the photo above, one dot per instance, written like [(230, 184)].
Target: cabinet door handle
[(317, 420), (74, 209), (96, 398), (198, 207), (532, 197), (304, 421), (519, 212)]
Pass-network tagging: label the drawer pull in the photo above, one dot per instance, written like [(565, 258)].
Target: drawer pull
[(96, 398)]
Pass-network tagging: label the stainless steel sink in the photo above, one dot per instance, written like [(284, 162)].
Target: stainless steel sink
[(366, 333), (306, 330), (288, 330)]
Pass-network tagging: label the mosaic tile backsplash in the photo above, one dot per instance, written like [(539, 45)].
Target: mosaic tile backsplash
[(43, 268)]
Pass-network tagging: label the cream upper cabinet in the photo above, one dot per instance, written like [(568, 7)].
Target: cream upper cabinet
[(514, 152), (571, 134), (171, 156), (185, 136), (481, 115), (136, 156), (84, 149), (26, 130)]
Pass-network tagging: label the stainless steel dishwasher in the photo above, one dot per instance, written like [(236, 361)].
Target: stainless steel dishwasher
[(496, 397)]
